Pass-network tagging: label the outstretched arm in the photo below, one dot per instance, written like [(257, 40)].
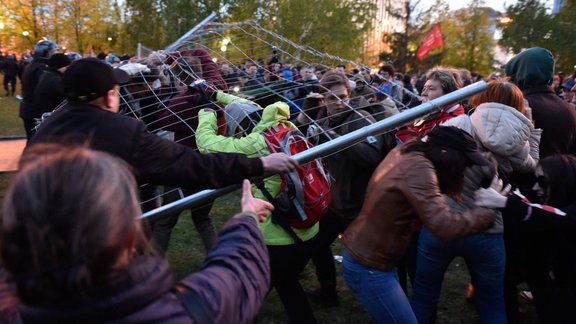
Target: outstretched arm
[(235, 276)]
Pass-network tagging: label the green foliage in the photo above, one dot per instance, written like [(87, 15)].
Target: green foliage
[(468, 39), (329, 26), (531, 26), (564, 46)]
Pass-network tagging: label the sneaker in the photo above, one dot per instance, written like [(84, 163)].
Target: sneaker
[(323, 297)]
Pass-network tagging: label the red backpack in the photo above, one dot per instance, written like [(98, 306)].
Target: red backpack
[(304, 196)]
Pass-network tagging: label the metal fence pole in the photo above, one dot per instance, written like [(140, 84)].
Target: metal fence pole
[(334, 145), (180, 40)]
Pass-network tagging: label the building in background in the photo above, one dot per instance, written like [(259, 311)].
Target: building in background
[(383, 24)]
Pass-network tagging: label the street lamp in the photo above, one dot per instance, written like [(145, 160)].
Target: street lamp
[(25, 33), (506, 20), (109, 39)]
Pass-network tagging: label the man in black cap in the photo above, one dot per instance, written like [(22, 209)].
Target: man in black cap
[(90, 117)]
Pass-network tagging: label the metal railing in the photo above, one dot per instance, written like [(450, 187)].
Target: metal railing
[(334, 145)]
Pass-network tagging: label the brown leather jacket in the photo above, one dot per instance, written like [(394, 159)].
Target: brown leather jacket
[(403, 189)]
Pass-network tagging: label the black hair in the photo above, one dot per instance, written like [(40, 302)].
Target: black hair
[(448, 163), (560, 173)]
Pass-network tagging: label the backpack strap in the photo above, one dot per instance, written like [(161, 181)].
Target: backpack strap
[(277, 217), (193, 304)]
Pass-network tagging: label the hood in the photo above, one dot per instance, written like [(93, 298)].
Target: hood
[(531, 67), (500, 128), (274, 114)]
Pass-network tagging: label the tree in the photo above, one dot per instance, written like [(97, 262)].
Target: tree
[(334, 27), (469, 39), (530, 26), (563, 45), (417, 23)]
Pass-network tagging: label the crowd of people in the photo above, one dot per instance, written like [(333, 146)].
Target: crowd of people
[(491, 179)]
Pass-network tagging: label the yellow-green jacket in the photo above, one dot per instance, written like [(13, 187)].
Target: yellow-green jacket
[(252, 145)]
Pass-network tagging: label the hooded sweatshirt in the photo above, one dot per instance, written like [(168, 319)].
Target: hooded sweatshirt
[(532, 67), (533, 71), (252, 145)]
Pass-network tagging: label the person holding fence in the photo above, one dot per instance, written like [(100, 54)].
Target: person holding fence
[(406, 188), (290, 248), (351, 169), (91, 117)]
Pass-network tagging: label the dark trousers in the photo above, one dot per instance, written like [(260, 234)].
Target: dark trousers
[(286, 264), (29, 127), (330, 227), (162, 228), (10, 80)]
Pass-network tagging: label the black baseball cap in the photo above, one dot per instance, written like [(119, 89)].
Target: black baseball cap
[(454, 138), (90, 78)]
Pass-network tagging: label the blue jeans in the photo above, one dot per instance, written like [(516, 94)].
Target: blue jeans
[(485, 257), (379, 291)]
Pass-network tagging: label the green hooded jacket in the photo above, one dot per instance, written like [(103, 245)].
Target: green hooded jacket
[(252, 145)]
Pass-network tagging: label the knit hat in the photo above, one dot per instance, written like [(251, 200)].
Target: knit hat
[(58, 60), (454, 138), (236, 112), (91, 78)]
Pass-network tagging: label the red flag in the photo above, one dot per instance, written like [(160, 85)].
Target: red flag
[(433, 41)]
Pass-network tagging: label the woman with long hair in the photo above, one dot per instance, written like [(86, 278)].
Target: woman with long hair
[(406, 188), (499, 126)]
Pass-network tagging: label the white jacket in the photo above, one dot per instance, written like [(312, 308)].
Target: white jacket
[(506, 133)]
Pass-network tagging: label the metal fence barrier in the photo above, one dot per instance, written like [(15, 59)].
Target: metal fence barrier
[(334, 145)]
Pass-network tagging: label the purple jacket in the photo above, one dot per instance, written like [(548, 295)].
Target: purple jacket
[(233, 281)]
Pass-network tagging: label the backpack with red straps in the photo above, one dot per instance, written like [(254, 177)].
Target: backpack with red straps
[(304, 196)]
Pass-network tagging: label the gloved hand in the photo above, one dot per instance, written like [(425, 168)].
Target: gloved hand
[(134, 69), (490, 198)]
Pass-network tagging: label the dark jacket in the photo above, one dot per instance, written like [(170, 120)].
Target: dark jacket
[(352, 168), (30, 78), (49, 92), (233, 282), (153, 159), (403, 190), (556, 118), (533, 71), (551, 257), (10, 68), (181, 115)]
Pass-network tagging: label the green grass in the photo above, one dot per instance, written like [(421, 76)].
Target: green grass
[(10, 124), (186, 253)]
